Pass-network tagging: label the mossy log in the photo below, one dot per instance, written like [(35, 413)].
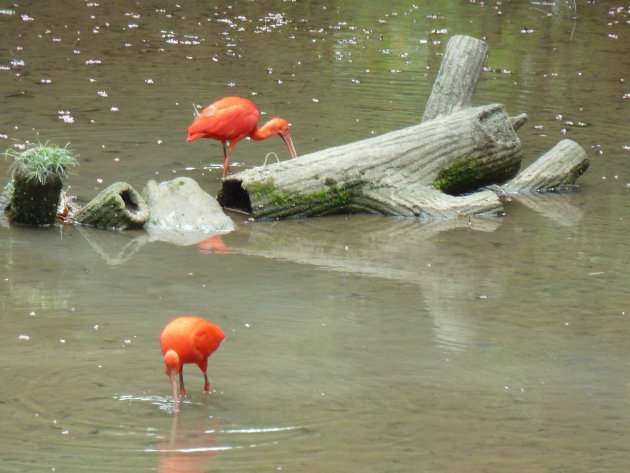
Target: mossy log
[(425, 170), (34, 202), (119, 206), (407, 172), (417, 171)]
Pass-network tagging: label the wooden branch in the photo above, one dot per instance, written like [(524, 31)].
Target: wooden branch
[(557, 169), (458, 77), (393, 174), (425, 201)]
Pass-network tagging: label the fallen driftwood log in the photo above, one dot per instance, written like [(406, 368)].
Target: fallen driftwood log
[(427, 170), (405, 172)]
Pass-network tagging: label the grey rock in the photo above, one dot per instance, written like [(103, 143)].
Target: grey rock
[(181, 206)]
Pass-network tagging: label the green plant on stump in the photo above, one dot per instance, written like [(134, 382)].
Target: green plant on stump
[(38, 174)]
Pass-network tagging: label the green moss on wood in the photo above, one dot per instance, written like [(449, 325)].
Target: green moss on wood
[(467, 175), (268, 201), (579, 169), (118, 206), (34, 203), (452, 177)]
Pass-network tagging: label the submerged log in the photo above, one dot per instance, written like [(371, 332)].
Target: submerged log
[(407, 172), (119, 206)]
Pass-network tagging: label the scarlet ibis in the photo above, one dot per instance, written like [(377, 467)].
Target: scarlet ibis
[(188, 340), (231, 119)]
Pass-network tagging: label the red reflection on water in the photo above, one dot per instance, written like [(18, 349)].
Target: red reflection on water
[(191, 446), (215, 245)]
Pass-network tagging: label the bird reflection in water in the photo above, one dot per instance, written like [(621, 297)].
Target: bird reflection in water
[(190, 446), (215, 245)]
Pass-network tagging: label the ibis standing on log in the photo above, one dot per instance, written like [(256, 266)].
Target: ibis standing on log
[(231, 119)]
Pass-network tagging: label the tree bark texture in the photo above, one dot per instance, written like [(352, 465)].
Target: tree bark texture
[(399, 173), (119, 207)]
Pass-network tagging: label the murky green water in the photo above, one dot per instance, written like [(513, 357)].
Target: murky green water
[(354, 343)]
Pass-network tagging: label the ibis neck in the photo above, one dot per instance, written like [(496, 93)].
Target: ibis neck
[(263, 133)]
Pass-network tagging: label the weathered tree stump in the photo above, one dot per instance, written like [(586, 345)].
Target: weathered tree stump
[(39, 170), (119, 207), (34, 202)]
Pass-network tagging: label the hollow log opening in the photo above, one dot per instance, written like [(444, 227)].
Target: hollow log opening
[(233, 196), (130, 202)]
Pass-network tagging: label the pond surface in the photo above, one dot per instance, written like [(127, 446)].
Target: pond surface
[(354, 343)]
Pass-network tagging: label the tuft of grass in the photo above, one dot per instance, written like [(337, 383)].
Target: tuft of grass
[(42, 161)]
